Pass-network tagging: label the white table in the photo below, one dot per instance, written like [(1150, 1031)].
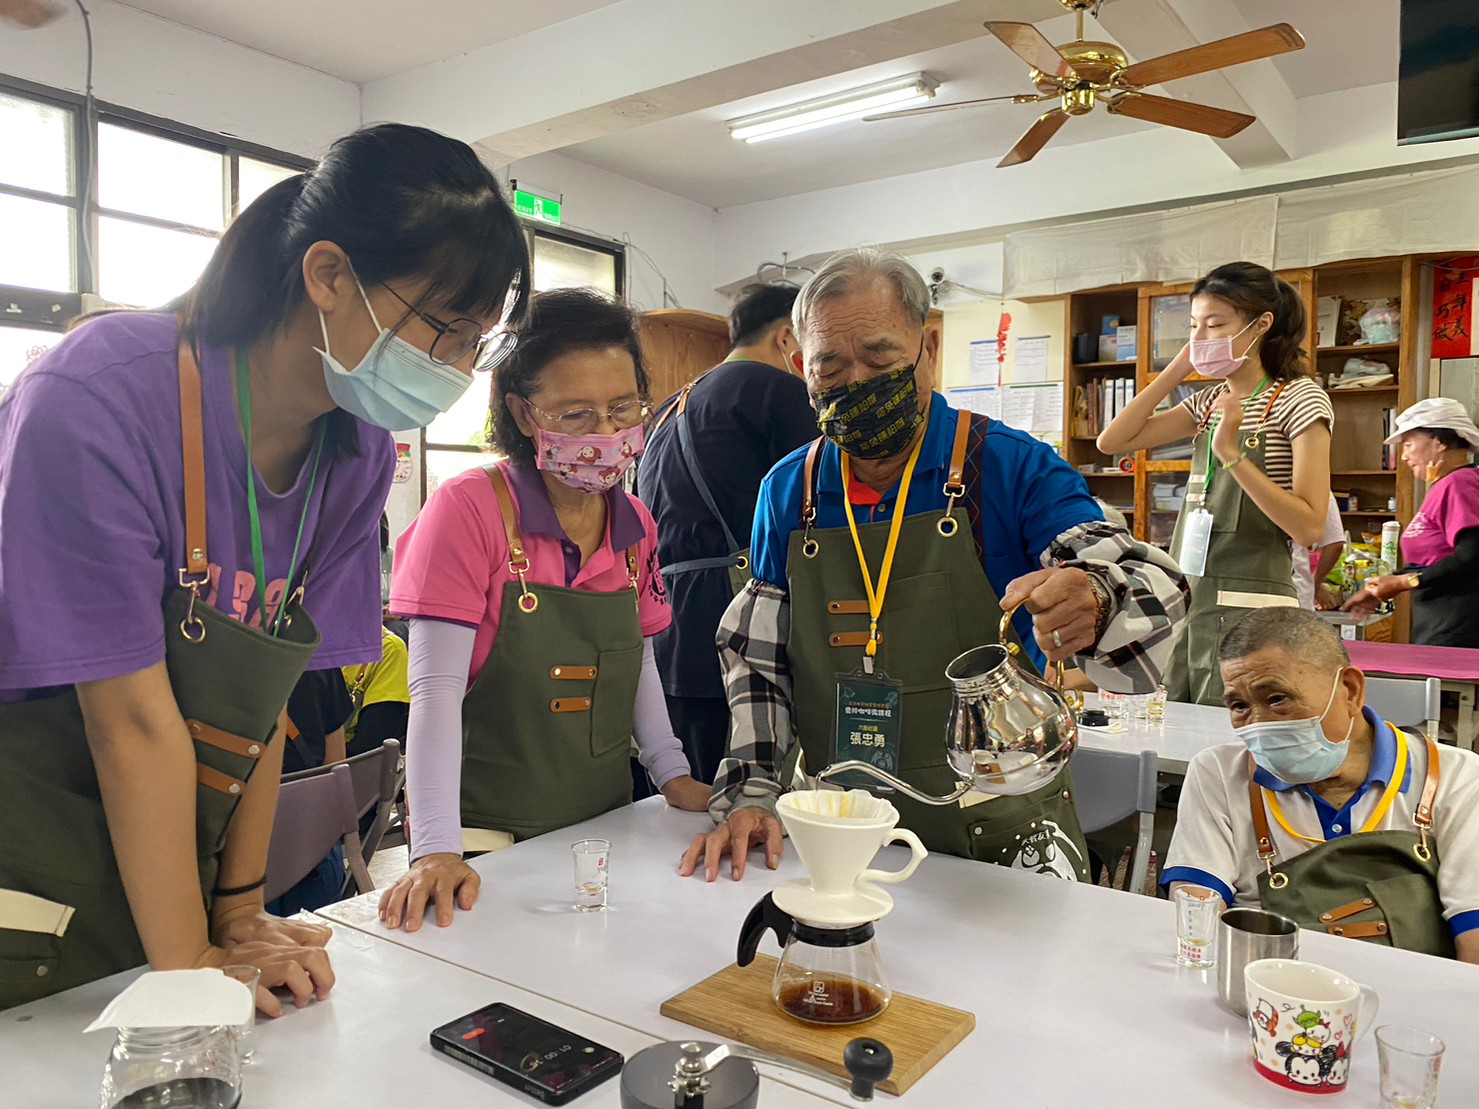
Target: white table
[(1187, 730), (1077, 997), (366, 1046)]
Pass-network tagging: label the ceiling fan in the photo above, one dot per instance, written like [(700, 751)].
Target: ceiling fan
[(1083, 73)]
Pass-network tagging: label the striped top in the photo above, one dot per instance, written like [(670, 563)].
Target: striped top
[(1299, 406)]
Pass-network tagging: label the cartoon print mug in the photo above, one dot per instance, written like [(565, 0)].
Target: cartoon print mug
[(1305, 1021)]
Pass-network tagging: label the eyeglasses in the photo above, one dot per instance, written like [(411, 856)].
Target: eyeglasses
[(463, 336), (585, 421)]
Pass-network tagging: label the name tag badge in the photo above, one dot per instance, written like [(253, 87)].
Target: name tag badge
[(866, 726), (1194, 543)]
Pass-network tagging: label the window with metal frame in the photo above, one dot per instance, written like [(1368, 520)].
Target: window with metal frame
[(457, 440)]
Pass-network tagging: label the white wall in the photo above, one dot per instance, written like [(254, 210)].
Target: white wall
[(1348, 132), (152, 65), (678, 233)]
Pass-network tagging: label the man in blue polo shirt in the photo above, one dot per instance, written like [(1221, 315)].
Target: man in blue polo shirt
[(710, 445), (1348, 825), (849, 593)]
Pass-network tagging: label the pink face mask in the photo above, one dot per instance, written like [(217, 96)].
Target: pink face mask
[(1215, 358), (590, 463)]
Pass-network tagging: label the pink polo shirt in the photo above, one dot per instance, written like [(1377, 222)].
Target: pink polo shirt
[(1451, 506), (452, 562)]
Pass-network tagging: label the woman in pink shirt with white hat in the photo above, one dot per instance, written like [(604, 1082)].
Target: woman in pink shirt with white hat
[(1440, 547)]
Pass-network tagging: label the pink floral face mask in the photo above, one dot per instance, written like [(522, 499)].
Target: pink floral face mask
[(590, 463)]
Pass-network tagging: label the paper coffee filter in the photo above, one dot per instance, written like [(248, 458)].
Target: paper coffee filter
[(852, 804)]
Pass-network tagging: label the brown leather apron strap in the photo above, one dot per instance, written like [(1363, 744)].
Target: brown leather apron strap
[(1423, 817), (223, 741), (809, 488), (518, 558), (570, 704), (1361, 931), (850, 639), (1266, 850), (221, 783), (847, 608), (955, 482), (679, 406), (192, 435), (1347, 910), (573, 673)]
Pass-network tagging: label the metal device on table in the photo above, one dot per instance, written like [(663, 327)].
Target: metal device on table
[(1009, 732), (702, 1075), (1084, 73)]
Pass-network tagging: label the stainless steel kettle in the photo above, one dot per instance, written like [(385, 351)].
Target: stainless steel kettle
[(1009, 732)]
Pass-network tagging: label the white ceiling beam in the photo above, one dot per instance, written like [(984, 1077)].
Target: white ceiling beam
[(1148, 30), (641, 60)]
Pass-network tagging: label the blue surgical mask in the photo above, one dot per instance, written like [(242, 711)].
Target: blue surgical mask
[(395, 386), (1296, 751)]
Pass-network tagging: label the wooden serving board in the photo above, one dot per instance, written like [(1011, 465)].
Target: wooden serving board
[(736, 1004)]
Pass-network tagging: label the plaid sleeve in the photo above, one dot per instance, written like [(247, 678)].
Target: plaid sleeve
[(757, 680), (1148, 602)]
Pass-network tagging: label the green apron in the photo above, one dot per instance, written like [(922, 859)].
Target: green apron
[(230, 683), (1248, 566), (940, 604), (1376, 886), (547, 725)]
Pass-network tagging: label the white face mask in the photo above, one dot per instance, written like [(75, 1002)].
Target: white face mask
[(396, 386), (1297, 751)]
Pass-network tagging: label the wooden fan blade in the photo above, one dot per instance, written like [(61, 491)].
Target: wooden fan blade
[(1217, 122), (1266, 42), (1033, 47), (1036, 138), (928, 108)]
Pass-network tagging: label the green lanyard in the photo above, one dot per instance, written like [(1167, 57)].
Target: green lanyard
[(259, 561), (1212, 462)]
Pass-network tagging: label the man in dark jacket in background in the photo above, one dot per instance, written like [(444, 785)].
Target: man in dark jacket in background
[(724, 431)]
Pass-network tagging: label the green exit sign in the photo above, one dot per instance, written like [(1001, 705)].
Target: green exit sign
[(541, 208)]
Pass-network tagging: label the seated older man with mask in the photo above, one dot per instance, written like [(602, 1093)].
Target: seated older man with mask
[(893, 544), (1325, 812)]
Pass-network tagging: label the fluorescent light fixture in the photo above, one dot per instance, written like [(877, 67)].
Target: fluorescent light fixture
[(901, 92)]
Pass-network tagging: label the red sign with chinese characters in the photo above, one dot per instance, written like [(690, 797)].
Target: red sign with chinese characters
[(1453, 307)]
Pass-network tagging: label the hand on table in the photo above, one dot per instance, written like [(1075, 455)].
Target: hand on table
[(255, 925), (304, 970), (1376, 591), (438, 880), (1061, 600), (687, 794), (744, 828)]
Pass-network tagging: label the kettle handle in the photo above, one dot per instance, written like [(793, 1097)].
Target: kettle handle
[(1071, 697), (765, 915)]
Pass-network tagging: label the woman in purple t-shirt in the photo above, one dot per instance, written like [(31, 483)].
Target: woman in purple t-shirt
[(1440, 547), (174, 490)]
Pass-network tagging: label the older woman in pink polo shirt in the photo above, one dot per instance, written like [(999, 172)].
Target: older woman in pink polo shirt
[(533, 592)]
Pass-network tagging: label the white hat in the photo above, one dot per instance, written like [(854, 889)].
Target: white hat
[(1436, 412)]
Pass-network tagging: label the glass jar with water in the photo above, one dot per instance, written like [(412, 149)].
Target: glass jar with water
[(172, 1068)]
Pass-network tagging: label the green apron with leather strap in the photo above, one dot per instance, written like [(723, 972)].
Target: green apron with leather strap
[(1248, 566), (1379, 886), (547, 725), (939, 604), (230, 683)]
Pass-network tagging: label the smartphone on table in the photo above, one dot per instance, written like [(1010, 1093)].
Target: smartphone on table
[(532, 1055)]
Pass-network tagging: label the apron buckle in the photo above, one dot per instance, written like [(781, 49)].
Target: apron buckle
[(1277, 880), (810, 547), (947, 525)]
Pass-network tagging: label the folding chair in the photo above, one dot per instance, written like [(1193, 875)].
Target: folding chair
[(1113, 786), (315, 813), (377, 776), (1406, 702)]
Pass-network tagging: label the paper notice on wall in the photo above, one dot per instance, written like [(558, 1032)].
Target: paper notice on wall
[(1036, 409), (1030, 359), (985, 367), (1017, 407), (983, 399)]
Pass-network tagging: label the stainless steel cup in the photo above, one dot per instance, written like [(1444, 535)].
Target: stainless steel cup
[(1244, 935)]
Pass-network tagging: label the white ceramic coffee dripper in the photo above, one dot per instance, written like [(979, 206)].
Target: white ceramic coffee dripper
[(836, 834)]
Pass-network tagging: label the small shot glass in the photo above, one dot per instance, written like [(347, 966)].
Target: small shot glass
[(1155, 708), (1197, 911), (1410, 1061), (246, 1034), (592, 864)]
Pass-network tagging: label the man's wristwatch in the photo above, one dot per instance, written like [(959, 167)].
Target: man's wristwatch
[(1102, 604)]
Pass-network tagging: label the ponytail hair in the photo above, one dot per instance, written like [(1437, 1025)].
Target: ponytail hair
[(1254, 290), (403, 203)]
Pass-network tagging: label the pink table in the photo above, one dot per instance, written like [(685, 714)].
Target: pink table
[(1456, 667)]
